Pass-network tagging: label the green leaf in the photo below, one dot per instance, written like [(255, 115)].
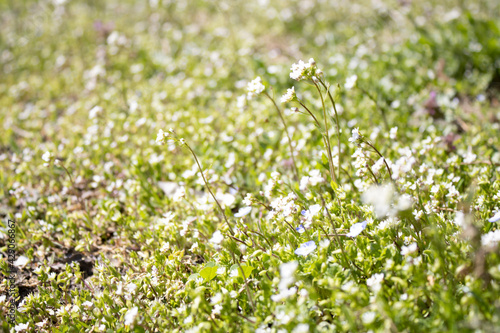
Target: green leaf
[(324, 159), (208, 273), (193, 276), (247, 269)]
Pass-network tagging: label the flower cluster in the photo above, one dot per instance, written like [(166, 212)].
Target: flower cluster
[(302, 70), (255, 87)]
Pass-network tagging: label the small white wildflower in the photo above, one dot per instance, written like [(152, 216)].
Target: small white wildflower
[(216, 299), (350, 82), (375, 282), (21, 261), (393, 133), (87, 304), (491, 239), (405, 250), (131, 287), (130, 316), (243, 211), (248, 199), (356, 229), (217, 238), (21, 327), (217, 309), (306, 248), (302, 70), (368, 317), (47, 156), (255, 87), (288, 96), (301, 328), (94, 111), (495, 218), (355, 137), (160, 138)]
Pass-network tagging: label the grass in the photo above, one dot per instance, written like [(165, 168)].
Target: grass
[(362, 201)]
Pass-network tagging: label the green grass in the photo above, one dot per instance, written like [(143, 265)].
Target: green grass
[(394, 124)]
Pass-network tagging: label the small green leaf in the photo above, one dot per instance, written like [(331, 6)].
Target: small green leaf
[(208, 273), (246, 269), (193, 276), (324, 159)]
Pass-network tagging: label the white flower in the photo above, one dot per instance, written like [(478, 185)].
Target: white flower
[(216, 310), (356, 229), (21, 327), (301, 328), (315, 177), (289, 96), (94, 111), (87, 304), (368, 317), (248, 199), (375, 281), (21, 261), (160, 138), (217, 237), (243, 211), (306, 248), (255, 87), (380, 197), (350, 82), (286, 274), (405, 250), (47, 156), (355, 136), (459, 219), (393, 132), (491, 239), (216, 299), (131, 287), (495, 218), (130, 316), (302, 70)]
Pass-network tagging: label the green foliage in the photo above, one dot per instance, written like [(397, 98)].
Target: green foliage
[(358, 201)]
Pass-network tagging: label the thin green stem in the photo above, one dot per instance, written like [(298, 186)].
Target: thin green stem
[(330, 162), (209, 190), (310, 113), (371, 171), (327, 88), (327, 135), (379, 154), (292, 153), (246, 282)]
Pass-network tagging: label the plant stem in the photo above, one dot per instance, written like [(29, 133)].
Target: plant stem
[(379, 154), (287, 134), (330, 162), (209, 190), (327, 88), (327, 135)]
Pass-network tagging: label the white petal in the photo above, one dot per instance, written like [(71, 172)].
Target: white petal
[(357, 228), (495, 218), (243, 211)]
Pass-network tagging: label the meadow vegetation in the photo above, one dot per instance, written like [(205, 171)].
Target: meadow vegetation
[(251, 166)]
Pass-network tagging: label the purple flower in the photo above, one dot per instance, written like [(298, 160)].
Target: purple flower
[(243, 211), (300, 229), (357, 228), (306, 248), (495, 218)]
